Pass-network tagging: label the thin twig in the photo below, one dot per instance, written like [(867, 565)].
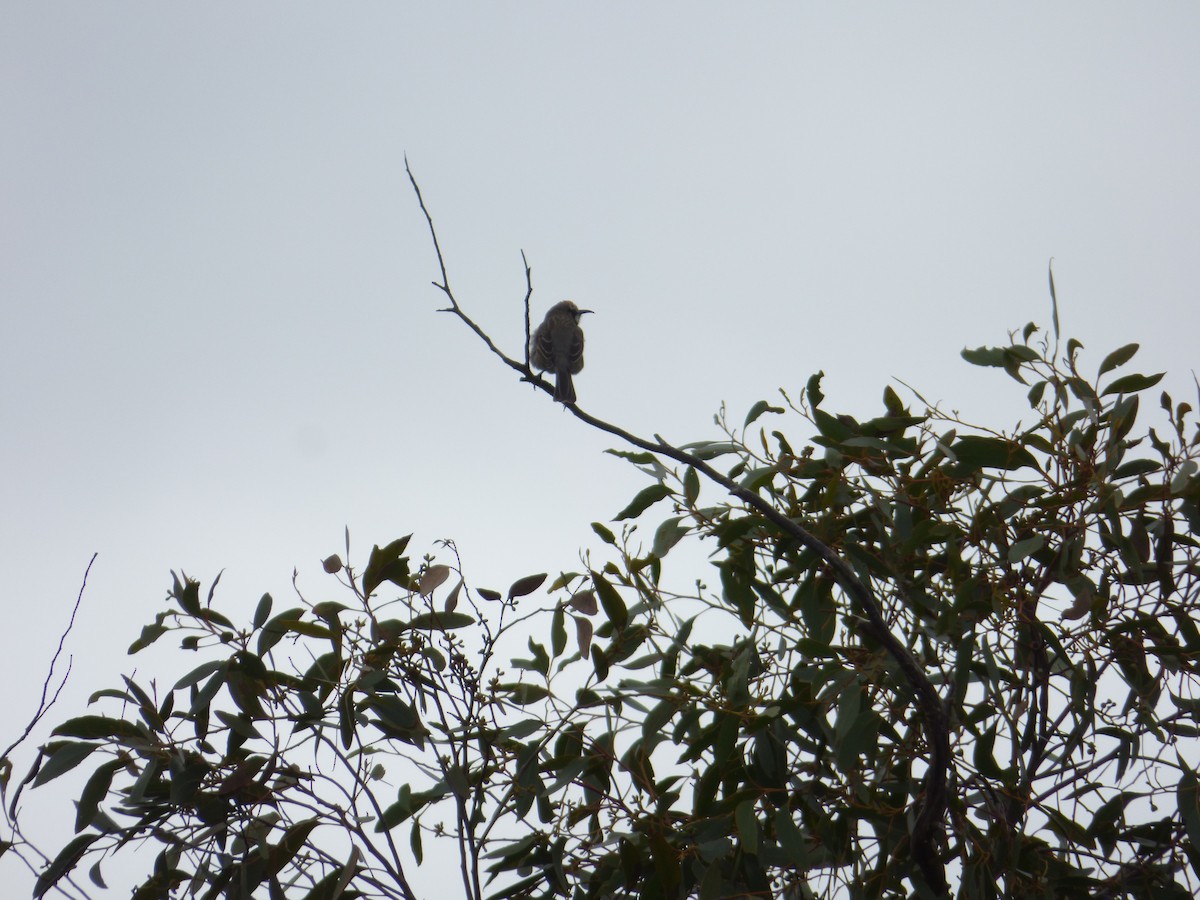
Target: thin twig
[(444, 287), (528, 294), (45, 705)]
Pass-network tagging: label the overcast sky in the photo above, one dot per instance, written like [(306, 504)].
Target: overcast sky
[(220, 347)]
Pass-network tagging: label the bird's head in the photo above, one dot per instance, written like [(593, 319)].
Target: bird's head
[(568, 306)]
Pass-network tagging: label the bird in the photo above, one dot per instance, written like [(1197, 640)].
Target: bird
[(557, 346)]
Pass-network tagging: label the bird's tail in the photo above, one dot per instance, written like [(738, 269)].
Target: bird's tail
[(564, 388)]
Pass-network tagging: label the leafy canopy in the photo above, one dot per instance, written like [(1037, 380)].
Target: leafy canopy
[(745, 737)]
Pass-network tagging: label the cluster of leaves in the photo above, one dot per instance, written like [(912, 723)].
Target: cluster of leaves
[(266, 765), (1048, 579), (746, 739)]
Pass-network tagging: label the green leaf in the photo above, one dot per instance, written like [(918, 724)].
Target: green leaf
[(440, 621), (66, 860), (738, 593), (203, 697), (540, 662), (187, 594), (706, 450), (604, 534), (985, 356), (262, 611), (583, 635), (1108, 815), (1118, 358), (431, 579), (408, 803), (599, 661), (584, 602), (94, 728), (310, 629), (558, 631), (646, 498), (747, 826), (983, 757), (62, 756), (398, 719), (1122, 417), (791, 838), (1016, 501), (759, 408), (835, 428), (1136, 467), (849, 704), (240, 724), (293, 841), (1027, 547), (347, 721), (759, 477), (414, 841), (523, 693), (452, 598), (977, 451), (526, 585), (638, 459), (667, 535), (1053, 300), (812, 390), (386, 564), (712, 886), (614, 606), (94, 791), (275, 629), (1070, 830), (522, 729), (150, 634), (1188, 798), (732, 530), (333, 885), (666, 863), (1128, 384), (96, 876), (199, 673), (892, 402), (324, 673), (691, 486), (658, 716)]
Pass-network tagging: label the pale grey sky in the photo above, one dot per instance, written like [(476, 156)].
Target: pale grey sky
[(220, 346)]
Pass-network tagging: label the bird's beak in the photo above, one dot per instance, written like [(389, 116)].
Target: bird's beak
[(582, 311)]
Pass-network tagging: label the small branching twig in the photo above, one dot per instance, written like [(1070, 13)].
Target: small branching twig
[(49, 697), (527, 373), (46, 704)]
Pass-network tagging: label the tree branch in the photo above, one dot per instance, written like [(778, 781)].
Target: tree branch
[(444, 287), (927, 825)]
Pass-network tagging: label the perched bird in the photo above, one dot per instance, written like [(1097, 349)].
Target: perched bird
[(557, 346)]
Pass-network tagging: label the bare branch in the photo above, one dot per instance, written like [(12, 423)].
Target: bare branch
[(444, 286), (528, 294), (44, 705)]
